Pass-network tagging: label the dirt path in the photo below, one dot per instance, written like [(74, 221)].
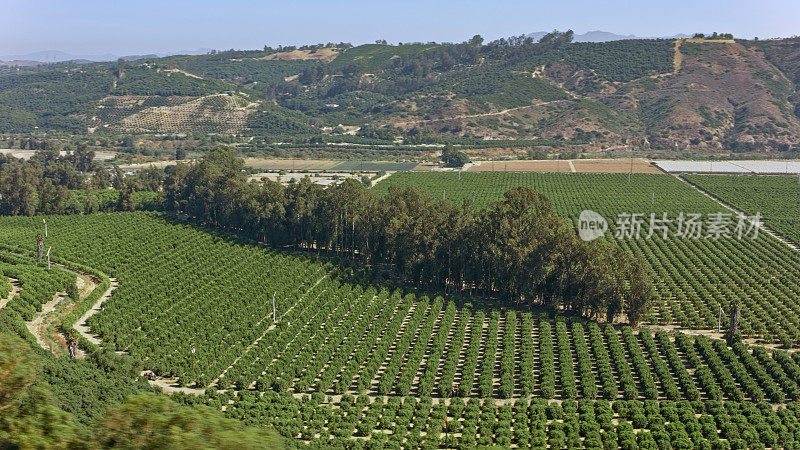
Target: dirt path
[(170, 386), (572, 166), (381, 178), (270, 328), (80, 324), (677, 59), (191, 75), (38, 326), (761, 225), (46, 324), (15, 288), (709, 333), (469, 116)]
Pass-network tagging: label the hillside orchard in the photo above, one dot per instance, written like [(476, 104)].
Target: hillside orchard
[(365, 345), (693, 276)]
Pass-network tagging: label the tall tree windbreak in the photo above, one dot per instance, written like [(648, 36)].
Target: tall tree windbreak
[(518, 249)]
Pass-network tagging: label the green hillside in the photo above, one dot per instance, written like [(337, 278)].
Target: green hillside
[(610, 94)]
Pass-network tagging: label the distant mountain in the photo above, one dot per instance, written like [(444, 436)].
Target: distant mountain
[(49, 56), (627, 91), (604, 36), (137, 57), (52, 56), (20, 63)]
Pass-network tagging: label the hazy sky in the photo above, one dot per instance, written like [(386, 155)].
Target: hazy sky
[(145, 26)]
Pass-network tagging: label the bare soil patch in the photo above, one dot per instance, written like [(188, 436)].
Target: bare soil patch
[(191, 75), (26, 154), (323, 54), (522, 166), (156, 164), (426, 166)]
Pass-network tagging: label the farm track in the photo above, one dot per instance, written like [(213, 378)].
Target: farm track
[(288, 344), (381, 178), (270, 328), (677, 59), (471, 116), (80, 324), (38, 326), (46, 323), (761, 225)]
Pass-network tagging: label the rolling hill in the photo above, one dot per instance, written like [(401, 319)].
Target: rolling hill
[(673, 94)]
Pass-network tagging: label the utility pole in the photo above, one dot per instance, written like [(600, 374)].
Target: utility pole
[(39, 247), (274, 317), (192, 359)]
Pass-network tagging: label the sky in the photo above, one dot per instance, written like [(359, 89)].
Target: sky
[(92, 27)]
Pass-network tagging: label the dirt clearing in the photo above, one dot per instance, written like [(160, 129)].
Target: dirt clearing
[(323, 54), (522, 166)]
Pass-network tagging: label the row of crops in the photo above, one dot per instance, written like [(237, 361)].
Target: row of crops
[(410, 422), (339, 334), (774, 197), (398, 345), (170, 297), (693, 276), (38, 285), (217, 113)]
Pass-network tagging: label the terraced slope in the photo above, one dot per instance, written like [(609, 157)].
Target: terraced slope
[(216, 113)]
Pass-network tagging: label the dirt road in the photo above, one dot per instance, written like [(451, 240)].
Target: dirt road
[(469, 116)]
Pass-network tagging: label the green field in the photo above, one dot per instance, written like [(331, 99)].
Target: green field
[(375, 56), (774, 197), (401, 350), (693, 276), (82, 388), (351, 358)]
